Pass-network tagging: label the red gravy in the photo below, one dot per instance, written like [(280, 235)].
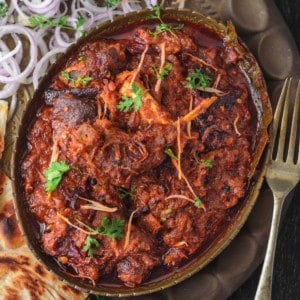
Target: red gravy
[(172, 168)]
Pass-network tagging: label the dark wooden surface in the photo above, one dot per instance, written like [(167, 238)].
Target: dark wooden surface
[(286, 280)]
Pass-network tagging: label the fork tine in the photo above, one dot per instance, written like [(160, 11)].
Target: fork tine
[(293, 133), (284, 101), (277, 113)]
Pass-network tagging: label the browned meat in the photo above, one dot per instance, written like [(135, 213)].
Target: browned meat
[(73, 111)]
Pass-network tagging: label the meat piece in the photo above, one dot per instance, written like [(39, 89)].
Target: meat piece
[(73, 111), (174, 42), (89, 93), (125, 155), (104, 58), (139, 259), (134, 269)]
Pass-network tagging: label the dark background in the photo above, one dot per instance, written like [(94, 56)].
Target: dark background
[(286, 280)]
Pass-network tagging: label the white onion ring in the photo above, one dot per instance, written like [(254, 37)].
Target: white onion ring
[(62, 38), (89, 21), (42, 65), (47, 8), (12, 52), (33, 51)]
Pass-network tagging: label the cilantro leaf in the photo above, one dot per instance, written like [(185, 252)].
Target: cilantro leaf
[(156, 12), (79, 22), (85, 80), (170, 153), (114, 229), (207, 163), (75, 82), (65, 75), (112, 3), (54, 175), (61, 22), (89, 244), (123, 193), (198, 202), (134, 102), (39, 21), (197, 79), (162, 27), (3, 10), (81, 58), (160, 75)]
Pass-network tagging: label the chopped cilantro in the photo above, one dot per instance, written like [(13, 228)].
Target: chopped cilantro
[(170, 153), (3, 10), (160, 75), (54, 175), (134, 102), (197, 79), (111, 3), (79, 81), (84, 80), (123, 193), (81, 58), (207, 163), (112, 228), (162, 27), (89, 245), (198, 202), (61, 22)]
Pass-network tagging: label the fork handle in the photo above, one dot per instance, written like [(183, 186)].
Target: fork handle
[(264, 289)]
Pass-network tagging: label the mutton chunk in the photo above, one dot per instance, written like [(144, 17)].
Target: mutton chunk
[(125, 155), (73, 110), (51, 94), (105, 58)]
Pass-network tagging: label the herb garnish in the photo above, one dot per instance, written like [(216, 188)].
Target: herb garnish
[(81, 58), (112, 228), (3, 10), (166, 212), (197, 202), (62, 22), (197, 79), (162, 27), (54, 175), (123, 193), (170, 153), (84, 80), (208, 163), (89, 244), (160, 75), (112, 3), (134, 102), (79, 81)]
